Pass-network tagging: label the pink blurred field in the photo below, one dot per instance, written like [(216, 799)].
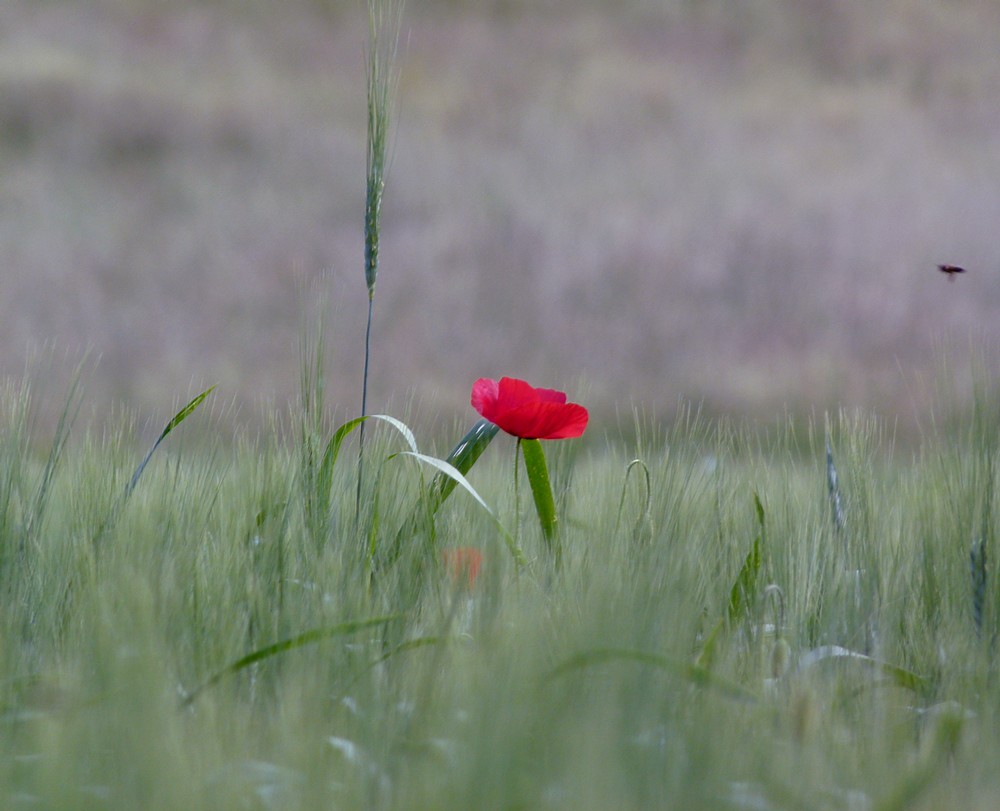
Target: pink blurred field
[(644, 201)]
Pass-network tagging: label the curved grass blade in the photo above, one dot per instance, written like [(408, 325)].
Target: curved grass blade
[(541, 490), (462, 458), (446, 469), (900, 676), (303, 639), (178, 418), (332, 451), (689, 671), (644, 520)]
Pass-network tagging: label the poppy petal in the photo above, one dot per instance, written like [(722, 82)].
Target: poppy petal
[(520, 409), (485, 395), (544, 420), (514, 393)]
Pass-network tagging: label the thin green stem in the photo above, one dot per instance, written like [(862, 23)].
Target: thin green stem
[(364, 409), (517, 496)]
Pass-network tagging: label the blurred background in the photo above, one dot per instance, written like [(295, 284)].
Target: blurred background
[(739, 204)]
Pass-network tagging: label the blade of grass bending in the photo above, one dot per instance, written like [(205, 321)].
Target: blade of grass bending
[(292, 643), (178, 418), (332, 451), (644, 519), (462, 458), (541, 490), (689, 671), (899, 675), (446, 469)]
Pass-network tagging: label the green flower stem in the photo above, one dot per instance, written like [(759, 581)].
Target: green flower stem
[(541, 490)]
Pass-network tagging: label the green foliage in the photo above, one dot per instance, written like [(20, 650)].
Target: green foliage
[(300, 677)]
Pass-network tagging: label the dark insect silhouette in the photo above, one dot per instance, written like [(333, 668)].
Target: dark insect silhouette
[(951, 270)]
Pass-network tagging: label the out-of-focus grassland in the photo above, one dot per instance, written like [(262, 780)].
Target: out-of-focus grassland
[(736, 203)]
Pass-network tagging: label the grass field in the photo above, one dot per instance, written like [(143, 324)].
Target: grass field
[(299, 608), (216, 640)]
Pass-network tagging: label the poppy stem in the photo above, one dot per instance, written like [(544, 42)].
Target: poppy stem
[(517, 495)]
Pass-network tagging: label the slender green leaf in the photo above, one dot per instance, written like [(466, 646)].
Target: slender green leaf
[(332, 450), (744, 590), (643, 521), (900, 676), (759, 507), (743, 594), (446, 469), (324, 480), (177, 419), (307, 638), (462, 458)]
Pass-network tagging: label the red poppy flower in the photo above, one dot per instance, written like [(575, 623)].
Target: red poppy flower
[(526, 412), (463, 561)]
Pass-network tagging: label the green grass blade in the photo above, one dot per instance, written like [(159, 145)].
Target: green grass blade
[(743, 594), (644, 518), (462, 458), (307, 638), (324, 479), (541, 490), (446, 469), (177, 419), (900, 676)]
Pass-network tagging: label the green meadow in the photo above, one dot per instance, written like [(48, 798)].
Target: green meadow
[(313, 609), (736, 622)]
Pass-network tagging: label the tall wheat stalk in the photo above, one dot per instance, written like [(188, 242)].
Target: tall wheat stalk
[(384, 24)]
